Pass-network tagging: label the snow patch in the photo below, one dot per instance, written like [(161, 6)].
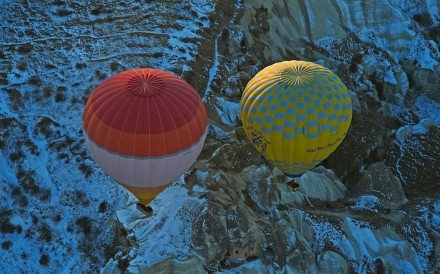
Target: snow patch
[(367, 202), (168, 233), (428, 108)]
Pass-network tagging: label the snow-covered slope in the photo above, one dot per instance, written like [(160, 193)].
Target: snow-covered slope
[(56, 205), (373, 207)]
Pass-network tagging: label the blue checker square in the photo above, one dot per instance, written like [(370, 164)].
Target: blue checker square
[(334, 129), (273, 107), (258, 120), (301, 105), (277, 128), (288, 135), (284, 103), (312, 123), (307, 98), (300, 130), (317, 103), (321, 114), (266, 130), (310, 111), (332, 117), (280, 115), (263, 108), (280, 95), (289, 124), (291, 111), (327, 105), (336, 107), (312, 135), (301, 118), (323, 127), (268, 119), (329, 96)]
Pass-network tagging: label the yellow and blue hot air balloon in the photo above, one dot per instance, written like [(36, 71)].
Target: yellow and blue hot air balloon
[(296, 114)]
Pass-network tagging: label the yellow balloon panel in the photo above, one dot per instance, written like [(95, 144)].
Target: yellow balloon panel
[(146, 194), (296, 114)]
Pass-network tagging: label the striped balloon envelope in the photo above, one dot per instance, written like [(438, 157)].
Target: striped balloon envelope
[(145, 128), (296, 114)]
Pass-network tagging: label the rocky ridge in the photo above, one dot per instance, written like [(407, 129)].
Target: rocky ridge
[(373, 205)]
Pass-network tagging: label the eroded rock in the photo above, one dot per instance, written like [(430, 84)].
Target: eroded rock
[(323, 184), (378, 180)]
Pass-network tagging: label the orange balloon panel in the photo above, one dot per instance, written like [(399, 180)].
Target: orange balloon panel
[(145, 128)]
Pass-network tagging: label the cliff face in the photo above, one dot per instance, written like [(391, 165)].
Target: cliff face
[(372, 206)]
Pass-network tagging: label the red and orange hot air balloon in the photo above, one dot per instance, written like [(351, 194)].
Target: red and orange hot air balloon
[(145, 128)]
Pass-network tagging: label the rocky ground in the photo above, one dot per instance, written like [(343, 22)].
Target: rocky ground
[(373, 205)]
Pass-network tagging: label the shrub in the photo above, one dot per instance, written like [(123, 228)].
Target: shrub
[(80, 65), (17, 194), (23, 201), (44, 127), (34, 80), (49, 66), (86, 170), (80, 198), (102, 207), (114, 66), (58, 3), (84, 225), (62, 12), (47, 91), (30, 32), (123, 264), (29, 184), (57, 218), (16, 156), (45, 195), (45, 233), (423, 19), (21, 66), (15, 97), (6, 245), (5, 224), (59, 97), (25, 48), (44, 260), (3, 80), (74, 100), (96, 11), (100, 75)]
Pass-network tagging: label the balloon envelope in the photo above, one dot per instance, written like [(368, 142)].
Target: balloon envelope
[(296, 114), (145, 128)]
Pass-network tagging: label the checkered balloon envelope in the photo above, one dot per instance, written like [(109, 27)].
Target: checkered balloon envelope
[(296, 114)]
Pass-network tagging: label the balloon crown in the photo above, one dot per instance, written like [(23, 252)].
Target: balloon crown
[(298, 75), (145, 85)]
